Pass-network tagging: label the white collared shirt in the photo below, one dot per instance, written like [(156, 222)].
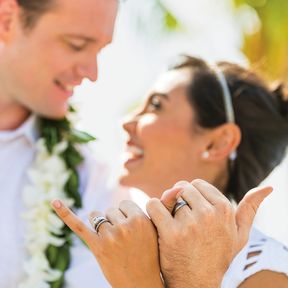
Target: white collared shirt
[(17, 149)]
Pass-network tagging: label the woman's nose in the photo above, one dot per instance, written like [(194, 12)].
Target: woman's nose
[(129, 123)]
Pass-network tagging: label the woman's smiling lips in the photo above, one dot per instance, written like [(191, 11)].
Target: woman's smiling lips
[(133, 153)]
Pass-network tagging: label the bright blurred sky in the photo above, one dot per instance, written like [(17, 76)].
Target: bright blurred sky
[(140, 51)]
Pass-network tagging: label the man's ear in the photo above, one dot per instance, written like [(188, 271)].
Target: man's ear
[(224, 141), (8, 9)]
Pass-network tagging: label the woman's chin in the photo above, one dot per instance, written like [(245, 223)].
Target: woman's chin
[(127, 180)]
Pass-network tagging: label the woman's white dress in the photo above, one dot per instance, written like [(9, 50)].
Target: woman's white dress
[(269, 254)]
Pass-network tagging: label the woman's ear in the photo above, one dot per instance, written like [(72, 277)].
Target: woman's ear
[(8, 9), (224, 140)]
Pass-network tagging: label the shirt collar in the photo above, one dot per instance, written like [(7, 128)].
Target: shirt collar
[(29, 130)]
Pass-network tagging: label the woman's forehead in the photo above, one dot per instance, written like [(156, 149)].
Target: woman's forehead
[(171, 80)]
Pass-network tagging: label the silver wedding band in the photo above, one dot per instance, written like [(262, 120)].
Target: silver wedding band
[(178, 205), (98, 221)]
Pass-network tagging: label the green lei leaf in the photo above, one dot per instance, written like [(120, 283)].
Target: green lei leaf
[(53, 132), (80, 137)]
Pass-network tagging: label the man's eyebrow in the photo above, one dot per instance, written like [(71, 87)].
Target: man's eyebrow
[(81, 37)]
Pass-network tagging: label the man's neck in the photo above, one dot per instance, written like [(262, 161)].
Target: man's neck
[(12, 115)]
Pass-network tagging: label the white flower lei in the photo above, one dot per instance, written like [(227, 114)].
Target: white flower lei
[(48, 176)]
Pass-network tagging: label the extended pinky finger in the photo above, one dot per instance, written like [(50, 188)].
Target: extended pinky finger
[(73, 222)]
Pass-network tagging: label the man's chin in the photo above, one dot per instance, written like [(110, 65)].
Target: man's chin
[(53, 114)]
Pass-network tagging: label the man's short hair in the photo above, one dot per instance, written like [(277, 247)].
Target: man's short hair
[(32, 10)]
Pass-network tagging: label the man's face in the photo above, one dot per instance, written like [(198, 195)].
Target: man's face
[(40, 67)]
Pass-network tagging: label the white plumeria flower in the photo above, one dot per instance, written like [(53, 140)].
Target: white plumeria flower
[(48, 177), (60, 148)]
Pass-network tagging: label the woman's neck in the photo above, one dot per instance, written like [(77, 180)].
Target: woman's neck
[(221, 180)]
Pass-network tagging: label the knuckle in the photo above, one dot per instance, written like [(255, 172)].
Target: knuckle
[(186, 192), (109, 238), (120, 231), (225, 208), (65, 213), (138, 220), (206, 211), (152, 204), (110, 212), (79, 228), (181, 183), (208, 215), (124, 203), (197, 181)]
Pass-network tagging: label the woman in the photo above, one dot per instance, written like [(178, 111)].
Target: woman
[(187, 130)]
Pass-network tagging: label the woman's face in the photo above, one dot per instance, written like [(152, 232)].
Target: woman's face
[(164, 144)]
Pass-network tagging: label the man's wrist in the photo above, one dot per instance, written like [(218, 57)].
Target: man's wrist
[(195, 282)]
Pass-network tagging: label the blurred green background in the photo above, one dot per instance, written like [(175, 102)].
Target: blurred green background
[(265, 42)]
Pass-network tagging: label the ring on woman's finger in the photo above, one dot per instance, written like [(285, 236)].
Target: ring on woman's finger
[(98, 221), (178, 205)]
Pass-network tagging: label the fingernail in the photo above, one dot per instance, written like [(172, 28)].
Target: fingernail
[(57, 204)]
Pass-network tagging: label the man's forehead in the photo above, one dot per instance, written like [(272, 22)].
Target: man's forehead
[(85, 5), (88, 18)]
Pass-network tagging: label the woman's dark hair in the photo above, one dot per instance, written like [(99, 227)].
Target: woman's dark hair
[(33, 9), (260, 112)]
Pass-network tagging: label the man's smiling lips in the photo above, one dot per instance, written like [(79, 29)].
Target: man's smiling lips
[(67, 89)]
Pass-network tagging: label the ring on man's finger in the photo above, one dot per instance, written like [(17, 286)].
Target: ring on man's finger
[(98, 221), (178, 205)]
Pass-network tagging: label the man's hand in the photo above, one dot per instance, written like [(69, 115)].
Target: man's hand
[(199, 242), (126, 248)]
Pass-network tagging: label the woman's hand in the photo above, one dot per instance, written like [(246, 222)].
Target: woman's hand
[(199, 242), (126, 247)]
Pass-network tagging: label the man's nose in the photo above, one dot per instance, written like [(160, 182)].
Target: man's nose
[(88, 70)]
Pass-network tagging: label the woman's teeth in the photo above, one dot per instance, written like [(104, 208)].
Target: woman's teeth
[(134, 152)]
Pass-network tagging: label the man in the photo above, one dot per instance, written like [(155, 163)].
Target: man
[(46, 49)]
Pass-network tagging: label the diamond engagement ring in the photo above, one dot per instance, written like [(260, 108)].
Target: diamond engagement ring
[(178, 205), (98, 221)]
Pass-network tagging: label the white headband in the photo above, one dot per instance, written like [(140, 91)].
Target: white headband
[(230, 115), (226, 93)]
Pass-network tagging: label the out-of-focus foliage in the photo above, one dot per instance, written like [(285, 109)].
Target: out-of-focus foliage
[(157, 18), (267, 45), (264, 24), (170, 21)]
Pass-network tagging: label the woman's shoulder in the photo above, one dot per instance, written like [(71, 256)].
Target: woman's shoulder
[(260, 253)]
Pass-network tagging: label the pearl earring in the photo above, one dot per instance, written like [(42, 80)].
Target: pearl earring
[(205, 154), (233, 155)]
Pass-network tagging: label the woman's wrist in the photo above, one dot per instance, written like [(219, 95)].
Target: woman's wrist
[(152, 282)]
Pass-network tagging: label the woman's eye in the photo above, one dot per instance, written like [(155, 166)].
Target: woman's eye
[(154, 104)]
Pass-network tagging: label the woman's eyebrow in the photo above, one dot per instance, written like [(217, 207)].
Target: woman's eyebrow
[(163, 95)]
